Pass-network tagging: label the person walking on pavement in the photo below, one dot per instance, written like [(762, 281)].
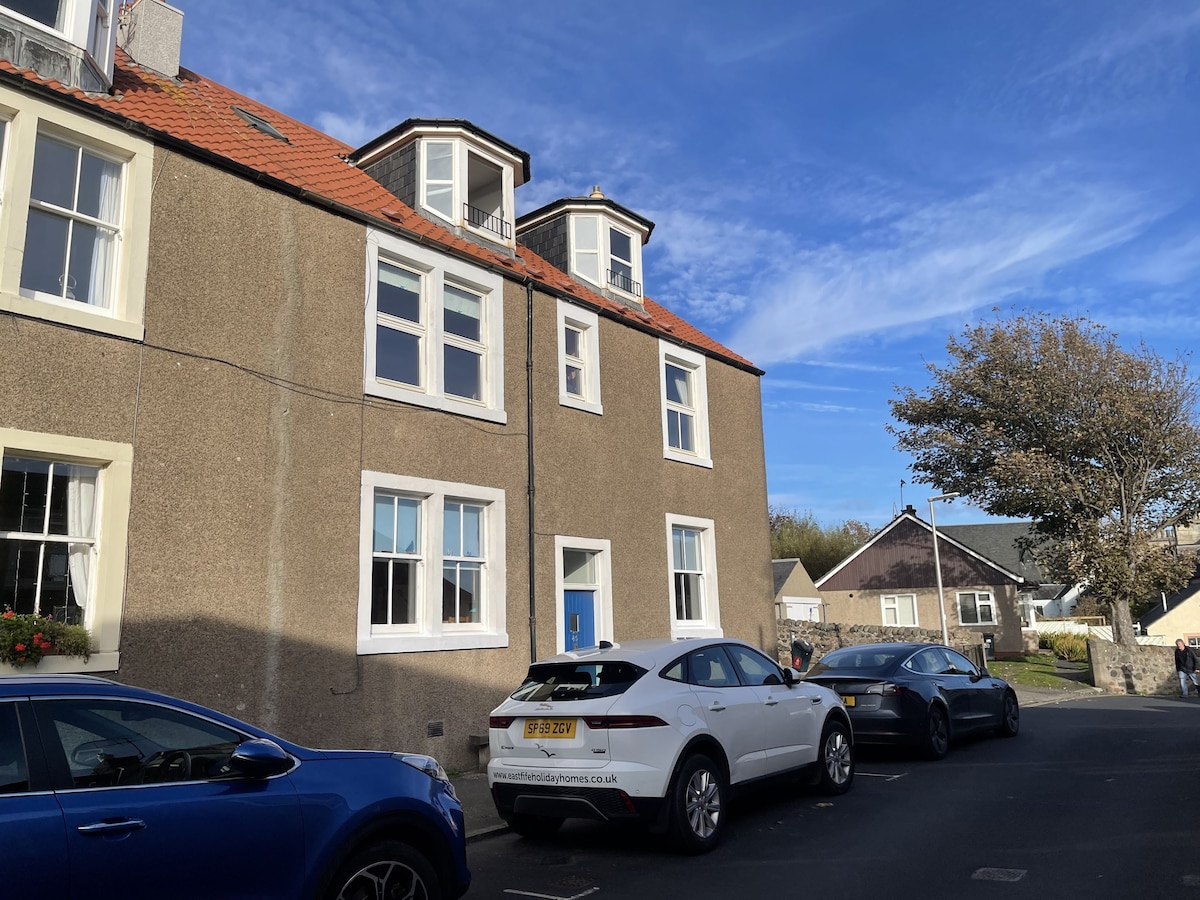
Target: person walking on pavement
[(1185, 667)]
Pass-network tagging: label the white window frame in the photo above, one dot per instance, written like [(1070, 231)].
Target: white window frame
[(634, 263), (990, 602), (26, 117), (604, 612), (605, 225), (102, 614), (458, 194), (891, 601), (695, 363), (430, 632), (709, 625), (76, 218), (587, 323), (84, 26), (436, 271), (600, 224)]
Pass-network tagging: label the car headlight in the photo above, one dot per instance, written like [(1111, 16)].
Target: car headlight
[(426, 764)]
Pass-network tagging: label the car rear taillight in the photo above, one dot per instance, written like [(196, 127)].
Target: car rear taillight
[(886, 688), (623, 721), (500, 721)]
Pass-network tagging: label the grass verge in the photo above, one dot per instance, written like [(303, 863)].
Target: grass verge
[(1036, 670)]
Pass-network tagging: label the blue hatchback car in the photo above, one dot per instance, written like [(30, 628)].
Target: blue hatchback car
[(112, 791)]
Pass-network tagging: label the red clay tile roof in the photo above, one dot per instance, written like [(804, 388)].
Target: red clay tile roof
[(199, 112)]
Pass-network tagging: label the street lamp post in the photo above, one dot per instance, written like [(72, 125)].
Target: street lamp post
[(937, 562)]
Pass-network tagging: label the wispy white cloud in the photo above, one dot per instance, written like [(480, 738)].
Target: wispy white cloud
[(1119, 42), (850, 365), (1172, 262), (795, 384), (941, 260), (810, 406)]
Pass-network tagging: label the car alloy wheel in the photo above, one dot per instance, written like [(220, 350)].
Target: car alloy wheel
[(703, 804), (698, 805), (837, 759), (1010, 719), (385, 871), (937, 733)]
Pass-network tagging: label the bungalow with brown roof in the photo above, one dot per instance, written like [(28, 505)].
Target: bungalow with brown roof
[(891, 581), (315, 434)]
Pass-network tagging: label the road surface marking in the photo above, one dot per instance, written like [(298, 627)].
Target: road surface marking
[(590, 890), (990, 874), (880, 775)]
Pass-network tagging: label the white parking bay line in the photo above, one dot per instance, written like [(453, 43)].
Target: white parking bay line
[(590, 890), (880, 775), (990, 874)]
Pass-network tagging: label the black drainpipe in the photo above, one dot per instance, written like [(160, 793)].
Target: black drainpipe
[(529, 462)]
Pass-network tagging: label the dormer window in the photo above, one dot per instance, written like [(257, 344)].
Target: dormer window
[(605, 255), (87, 24), (464, 187), (592, 239), (451, 172)]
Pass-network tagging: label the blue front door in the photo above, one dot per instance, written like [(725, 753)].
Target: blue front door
[(579, 619)]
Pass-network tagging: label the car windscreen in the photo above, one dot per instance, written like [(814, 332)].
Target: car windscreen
[(577, 681), (860, 659)]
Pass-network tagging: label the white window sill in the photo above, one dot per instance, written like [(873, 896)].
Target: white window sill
[(680, 631), (434, 401), (78, 315), (474, 640), (565, 399), (68, 665), (691, 459)]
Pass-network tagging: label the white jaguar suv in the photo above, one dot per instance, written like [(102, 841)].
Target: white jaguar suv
[(660, 731)]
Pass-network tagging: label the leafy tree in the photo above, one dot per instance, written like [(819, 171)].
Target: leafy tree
[(1051, 419), (820, 548)]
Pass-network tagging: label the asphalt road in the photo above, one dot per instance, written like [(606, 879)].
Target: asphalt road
[(1097, 797)]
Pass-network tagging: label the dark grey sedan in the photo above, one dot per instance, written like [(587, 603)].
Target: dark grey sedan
[(922, 695)]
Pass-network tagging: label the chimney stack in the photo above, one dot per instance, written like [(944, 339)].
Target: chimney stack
[(151, 32)]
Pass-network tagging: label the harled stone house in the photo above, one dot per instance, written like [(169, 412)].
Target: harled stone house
[(325, 436)]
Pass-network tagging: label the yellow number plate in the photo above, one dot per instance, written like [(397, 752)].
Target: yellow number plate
[(556, 729), (849, 701)]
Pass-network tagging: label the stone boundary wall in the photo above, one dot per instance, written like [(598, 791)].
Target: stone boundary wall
[(826, 636), (1133, 670)]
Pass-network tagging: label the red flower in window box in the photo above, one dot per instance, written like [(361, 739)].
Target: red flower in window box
[(27, 637)]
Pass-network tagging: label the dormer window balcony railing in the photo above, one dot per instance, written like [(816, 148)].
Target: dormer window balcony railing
[(623, 282), (479, 218)]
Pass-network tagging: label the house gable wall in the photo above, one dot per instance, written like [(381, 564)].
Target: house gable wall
[(904, 557)]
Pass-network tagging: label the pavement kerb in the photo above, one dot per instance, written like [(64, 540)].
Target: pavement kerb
[(478, 809), (1028, 696)]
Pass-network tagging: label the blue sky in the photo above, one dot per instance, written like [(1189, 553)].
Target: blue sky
[(837, 186)]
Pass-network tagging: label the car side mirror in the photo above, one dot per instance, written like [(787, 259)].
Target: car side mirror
[(790, 676), (259, 758)]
